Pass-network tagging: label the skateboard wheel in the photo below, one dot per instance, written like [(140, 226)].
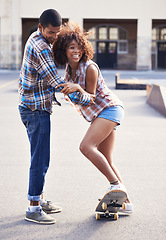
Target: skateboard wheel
[(123, 205), (104, 206), (116, 216), (97, 216)]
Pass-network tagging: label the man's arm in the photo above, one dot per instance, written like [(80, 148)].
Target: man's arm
[(79, 98), (48, 70)]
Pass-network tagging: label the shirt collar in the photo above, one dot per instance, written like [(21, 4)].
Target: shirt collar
[(41, 35), (80, 69)]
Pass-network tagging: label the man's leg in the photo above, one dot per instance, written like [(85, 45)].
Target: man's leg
[(37, 124), (39, 137)]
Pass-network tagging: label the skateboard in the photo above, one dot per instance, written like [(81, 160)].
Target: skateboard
[(109, 205)]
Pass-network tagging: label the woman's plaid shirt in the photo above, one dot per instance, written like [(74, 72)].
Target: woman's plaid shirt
[(104, 96), (39, 77)]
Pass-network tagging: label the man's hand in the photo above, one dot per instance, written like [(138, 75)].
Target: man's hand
[(69, 87)]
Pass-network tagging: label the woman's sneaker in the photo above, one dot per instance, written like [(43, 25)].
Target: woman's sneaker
[(39, 216), (128, 210), (119, 186), (113, 187)]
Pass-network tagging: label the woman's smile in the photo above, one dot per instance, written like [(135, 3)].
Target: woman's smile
[(74, 52)]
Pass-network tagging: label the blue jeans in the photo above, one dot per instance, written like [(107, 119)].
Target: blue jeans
[(37, 124)]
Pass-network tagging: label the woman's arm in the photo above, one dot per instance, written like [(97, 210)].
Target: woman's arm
[(76, 93), (91, 79), (70, 87), (91, 83)]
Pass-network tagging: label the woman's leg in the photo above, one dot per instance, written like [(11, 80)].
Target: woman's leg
[(99, 130), (106, 148)]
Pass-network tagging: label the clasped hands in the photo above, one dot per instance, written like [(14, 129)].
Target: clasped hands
[(70, 87)]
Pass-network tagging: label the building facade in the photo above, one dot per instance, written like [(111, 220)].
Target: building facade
[(125, 34)]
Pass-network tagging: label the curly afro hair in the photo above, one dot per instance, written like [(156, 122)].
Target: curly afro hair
[(71, 31)]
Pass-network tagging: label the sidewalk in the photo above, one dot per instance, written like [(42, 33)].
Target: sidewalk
[(73, 182)]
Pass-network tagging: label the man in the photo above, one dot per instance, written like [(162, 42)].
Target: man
[(37, 83)]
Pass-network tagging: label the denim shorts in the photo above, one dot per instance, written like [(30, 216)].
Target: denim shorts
[(114, 114)]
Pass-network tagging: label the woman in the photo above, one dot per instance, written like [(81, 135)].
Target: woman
[(73, 49)]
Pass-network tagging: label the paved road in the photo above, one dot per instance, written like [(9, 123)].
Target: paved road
[(73, 182)]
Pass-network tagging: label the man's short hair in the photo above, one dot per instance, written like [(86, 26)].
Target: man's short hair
[(50, 16)]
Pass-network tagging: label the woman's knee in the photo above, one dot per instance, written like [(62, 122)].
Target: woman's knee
[(85, 148), (82, 147)]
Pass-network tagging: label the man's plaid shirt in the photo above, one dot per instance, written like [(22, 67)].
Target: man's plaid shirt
[(39, 77)]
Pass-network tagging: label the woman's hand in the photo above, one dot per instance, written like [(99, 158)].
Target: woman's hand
[(92, 99), (70, 87)]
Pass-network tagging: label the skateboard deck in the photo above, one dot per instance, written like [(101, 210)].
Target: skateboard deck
[(109, 205)]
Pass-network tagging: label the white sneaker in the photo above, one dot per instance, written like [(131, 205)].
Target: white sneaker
[(119, 186), (128, 210), (113, 187)]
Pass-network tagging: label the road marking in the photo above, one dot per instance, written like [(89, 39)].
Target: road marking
[(8, 83)]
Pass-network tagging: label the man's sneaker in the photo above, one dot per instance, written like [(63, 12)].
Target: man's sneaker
[(48, 207), (114, 187), (128, 210), (39, 216)]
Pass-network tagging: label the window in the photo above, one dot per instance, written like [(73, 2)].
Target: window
[(113, 33), (110, 33), (103, 33), (112, 47), (158, 34), (153, 46), (101, 47), (162, 34), (162, 47), (123, 48), (92, 32), (122, 34), (154, 34), (93, 43)]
